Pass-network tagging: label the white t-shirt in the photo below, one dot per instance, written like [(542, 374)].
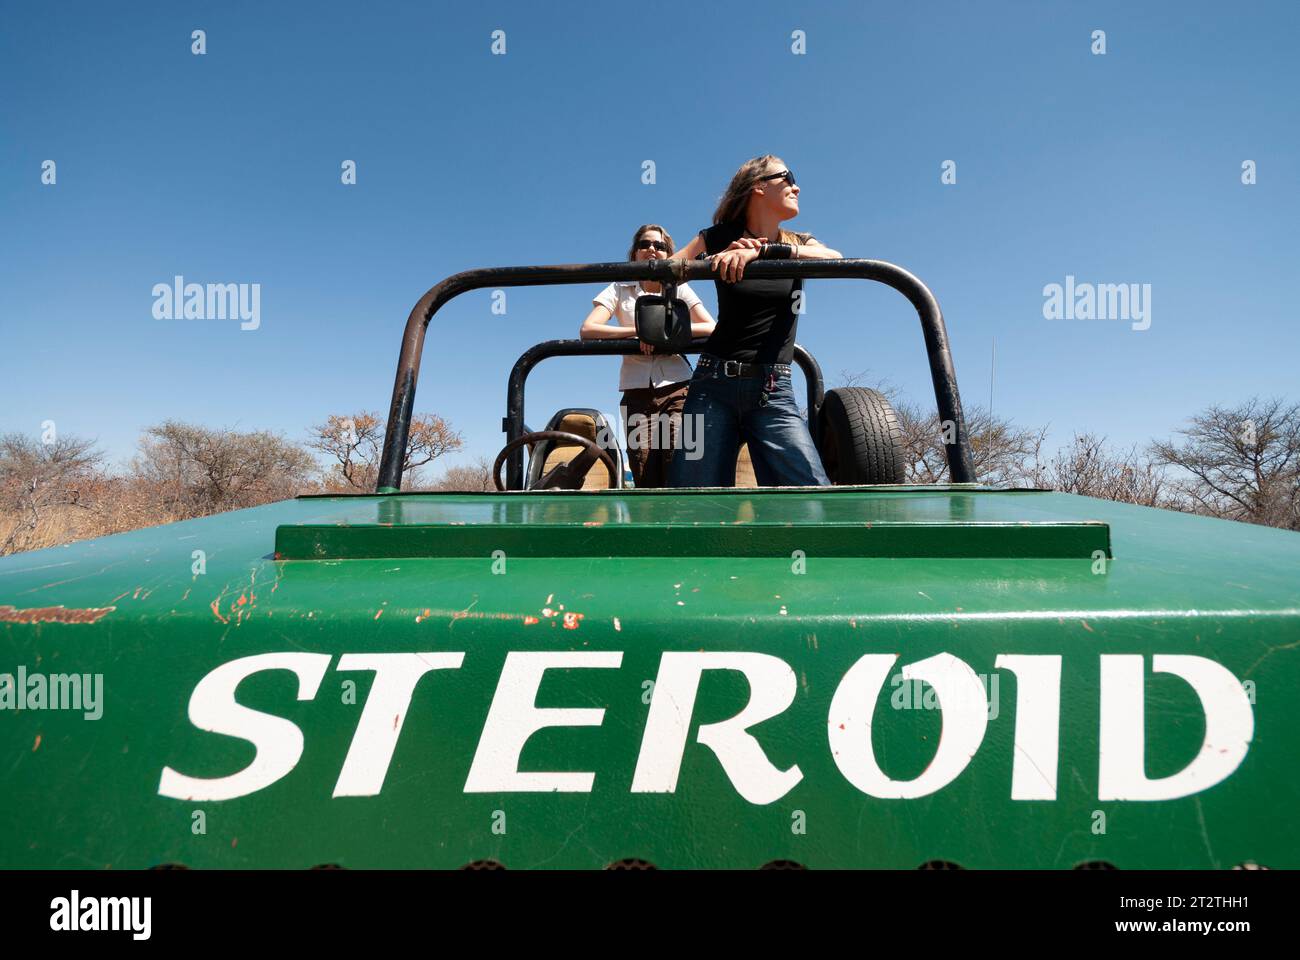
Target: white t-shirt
[(640, 371)]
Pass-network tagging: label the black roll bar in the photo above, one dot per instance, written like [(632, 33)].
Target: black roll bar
[(947, 398), (513, 422)]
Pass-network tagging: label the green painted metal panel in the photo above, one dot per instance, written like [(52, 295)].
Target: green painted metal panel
[(320, 542), (155, 618), (768, 523)]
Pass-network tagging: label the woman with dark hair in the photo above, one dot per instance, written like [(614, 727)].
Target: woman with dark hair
[(653, 385), (742, 384)]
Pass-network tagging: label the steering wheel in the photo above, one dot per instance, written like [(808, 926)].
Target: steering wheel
[(563, 476)]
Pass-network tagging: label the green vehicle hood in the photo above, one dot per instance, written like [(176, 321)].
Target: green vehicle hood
[(703, 678)]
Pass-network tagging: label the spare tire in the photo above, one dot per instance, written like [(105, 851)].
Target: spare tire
[(861, 441)]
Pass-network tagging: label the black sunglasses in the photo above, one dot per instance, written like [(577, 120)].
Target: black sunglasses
[(786, 175), (652, 245)]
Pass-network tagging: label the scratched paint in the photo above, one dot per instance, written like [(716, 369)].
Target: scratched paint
[(53, 614)]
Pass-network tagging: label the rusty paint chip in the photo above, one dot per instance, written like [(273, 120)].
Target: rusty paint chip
[(53, 614)]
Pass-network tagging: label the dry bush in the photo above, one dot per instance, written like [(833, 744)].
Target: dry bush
[(108, 505), (473, 477), (1087, 467), (197, 471), (1003, 453), (59, 492), (45, 487)]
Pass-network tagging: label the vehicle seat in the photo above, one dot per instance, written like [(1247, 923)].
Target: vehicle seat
[(584, 422), (745, 468)]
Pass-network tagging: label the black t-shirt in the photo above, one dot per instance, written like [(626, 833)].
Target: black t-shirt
[(756, 318)]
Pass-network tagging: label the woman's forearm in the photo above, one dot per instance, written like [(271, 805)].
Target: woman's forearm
[(606, 331), (598, 327), (815, 251), (702, 322)]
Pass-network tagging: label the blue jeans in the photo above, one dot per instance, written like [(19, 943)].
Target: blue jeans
[(724, 412)]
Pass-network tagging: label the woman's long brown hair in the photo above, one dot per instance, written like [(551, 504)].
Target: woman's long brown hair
[(735, 202)]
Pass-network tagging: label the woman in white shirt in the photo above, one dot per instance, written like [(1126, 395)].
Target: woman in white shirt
[(654, 385)]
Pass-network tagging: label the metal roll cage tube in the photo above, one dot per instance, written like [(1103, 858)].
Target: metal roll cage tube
[(513, 422), (947, 398)]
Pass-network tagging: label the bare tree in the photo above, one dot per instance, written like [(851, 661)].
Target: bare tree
[(863, 378), (1240, 463), (355, 443), (38, 479), (197, 470), (430, 438)]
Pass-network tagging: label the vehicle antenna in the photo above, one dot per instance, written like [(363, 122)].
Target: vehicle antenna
[(993, 366)]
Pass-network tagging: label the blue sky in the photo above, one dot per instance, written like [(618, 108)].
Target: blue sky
[(225, 168)]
